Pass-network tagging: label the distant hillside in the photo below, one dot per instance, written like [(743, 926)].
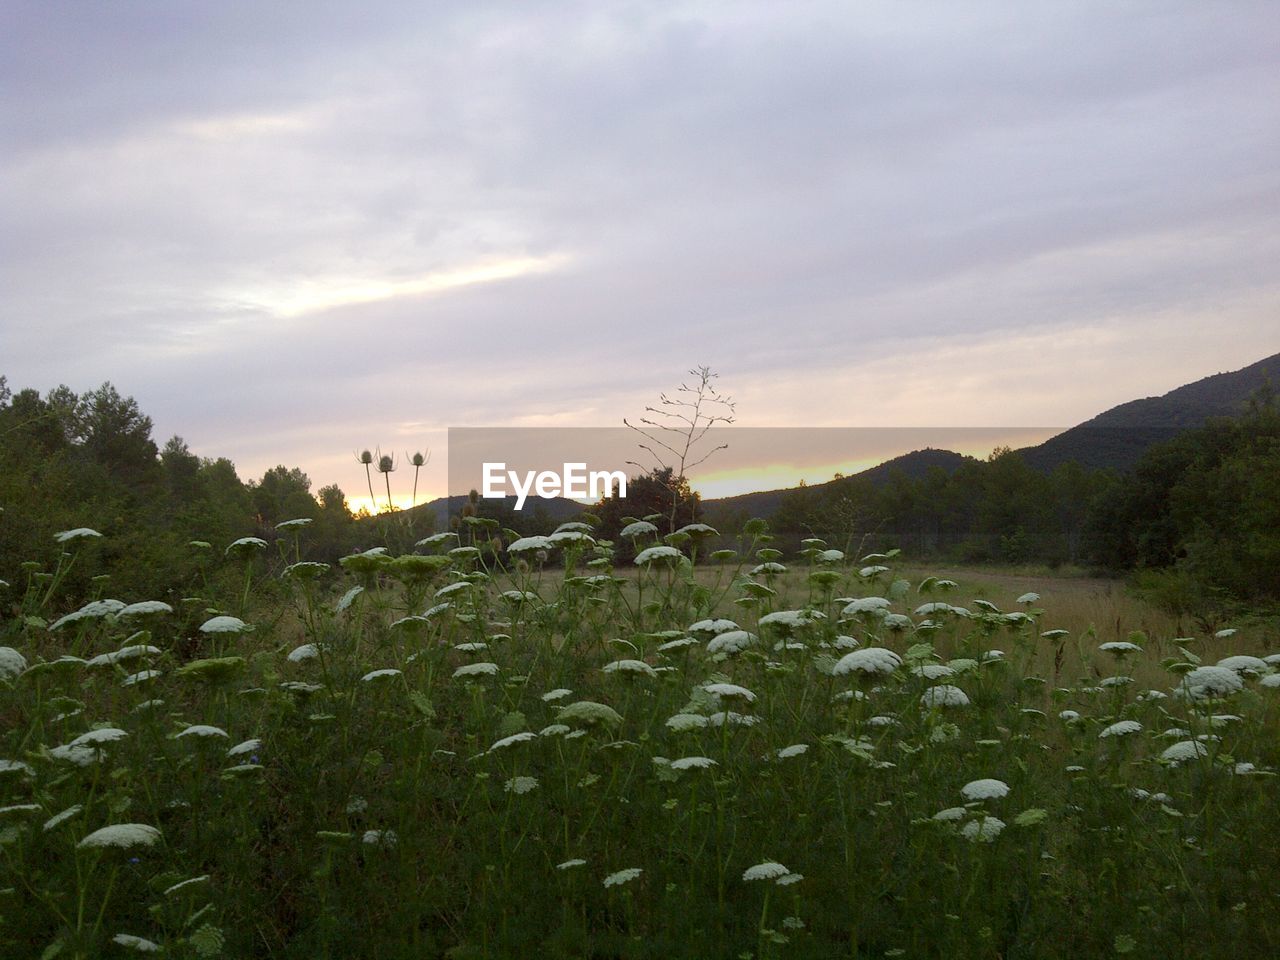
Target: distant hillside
[(764, 503), (1118, 437)]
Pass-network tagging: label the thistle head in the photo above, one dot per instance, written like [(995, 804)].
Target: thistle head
[(386, 463), (419, 459), (365, 457)]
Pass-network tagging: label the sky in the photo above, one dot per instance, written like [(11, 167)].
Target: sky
[(295, 230)]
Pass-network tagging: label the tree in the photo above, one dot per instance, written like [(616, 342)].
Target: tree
[(649, 494), (284, 494), (117, 436), (674, 432)]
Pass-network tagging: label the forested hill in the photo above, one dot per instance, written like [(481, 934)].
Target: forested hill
[(914, 466), (1117, 437)]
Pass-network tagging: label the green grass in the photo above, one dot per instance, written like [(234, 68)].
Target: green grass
[(440, 809)]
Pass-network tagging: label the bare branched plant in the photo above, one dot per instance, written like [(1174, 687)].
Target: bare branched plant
[(675, 429)]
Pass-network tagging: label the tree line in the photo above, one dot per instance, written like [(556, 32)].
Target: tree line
[(1198, 519)]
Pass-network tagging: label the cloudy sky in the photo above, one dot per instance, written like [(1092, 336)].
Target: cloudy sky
[(292, 230)]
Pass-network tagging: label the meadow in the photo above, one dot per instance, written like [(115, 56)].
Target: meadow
[(497, 748)]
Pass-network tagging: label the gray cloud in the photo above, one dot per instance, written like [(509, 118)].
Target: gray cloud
[(796, 196)]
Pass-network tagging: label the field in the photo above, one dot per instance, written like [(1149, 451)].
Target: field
[(465, 753)]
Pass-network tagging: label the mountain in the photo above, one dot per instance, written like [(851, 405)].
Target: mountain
[(1117, 437), (764, 503), (1113, 439)]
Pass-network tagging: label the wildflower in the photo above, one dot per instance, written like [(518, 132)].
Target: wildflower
[(712, 626), (60, 818), (246, 545), (183, 884), (202, 730), (101, 735), (988, 789), (769, 567), (622, 876), (641, 528), (308, 651), (982, 830), (347, 598), (124, 653), (658, 553), (874, 570), (932, 671), (123, 835), (795, 750), (520, 785), (683, 722), (570, 864), (722, 717), (225, 624), (387, 839), (380, 674), (554, 730), (522, 737), (142, 676), (570, 536), (768, 870), (678, 644), (950, 814), (1119, 647), (1245, 665), (870, 661), (558, 694), (145, 608), (937, 606), (80, 756), (1123, 728), (306, 570), (590, 713), (731, 641), (1204, 683), (1270, 681), (944, 695), (791, 619), (871, 605), (692, 763), (481, 669), (730, 691), (140, 944), (297, 686), (1028, 598), (630, 667), (79, 533), (93, 610), (247, 746), (1184, 750), (12, 663)]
